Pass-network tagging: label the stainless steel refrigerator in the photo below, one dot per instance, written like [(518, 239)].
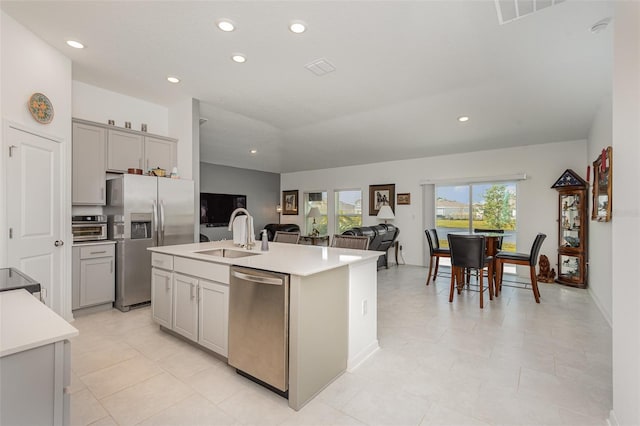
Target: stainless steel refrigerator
[(143, 212)]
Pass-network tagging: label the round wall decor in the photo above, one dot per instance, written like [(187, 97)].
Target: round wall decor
[(40, 108)]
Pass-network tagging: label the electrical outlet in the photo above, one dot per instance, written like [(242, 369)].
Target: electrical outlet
[(364, 307), (400, 247)]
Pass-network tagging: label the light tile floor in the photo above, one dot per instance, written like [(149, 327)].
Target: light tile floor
[(513, 363)]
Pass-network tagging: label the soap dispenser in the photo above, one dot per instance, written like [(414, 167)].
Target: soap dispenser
[(265, 241)]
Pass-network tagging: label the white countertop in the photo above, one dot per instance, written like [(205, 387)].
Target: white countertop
[(27, 323), (294, 259)]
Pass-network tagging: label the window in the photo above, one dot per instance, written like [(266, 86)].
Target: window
[(348, 209), (315, 199), (477, 205)]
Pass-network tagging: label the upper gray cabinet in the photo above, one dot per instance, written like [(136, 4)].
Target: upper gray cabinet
[(159, 153), (99, 148), (89, 150), (124, 151)]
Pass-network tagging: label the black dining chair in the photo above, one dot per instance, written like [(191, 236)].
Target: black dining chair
[(286, 237), (530, 259), (468, 253), (435, 252)]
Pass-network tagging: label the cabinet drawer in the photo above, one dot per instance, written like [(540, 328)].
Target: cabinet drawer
[(99, 250), (163, 261), (198, 268)]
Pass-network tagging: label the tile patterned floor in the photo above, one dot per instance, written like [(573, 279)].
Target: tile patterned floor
[(513, 363)]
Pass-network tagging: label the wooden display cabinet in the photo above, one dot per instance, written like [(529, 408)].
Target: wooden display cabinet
[(572, 229)]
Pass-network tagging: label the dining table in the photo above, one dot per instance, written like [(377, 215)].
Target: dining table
[(491, 248)]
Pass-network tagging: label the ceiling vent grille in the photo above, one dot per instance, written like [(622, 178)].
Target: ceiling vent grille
[(320, 67), (511, 10)]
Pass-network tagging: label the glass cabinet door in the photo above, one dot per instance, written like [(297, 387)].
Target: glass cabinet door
[(570, 268), (570, 220)]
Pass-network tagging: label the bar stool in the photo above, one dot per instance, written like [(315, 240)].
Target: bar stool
[(435, 252), (530, 259)]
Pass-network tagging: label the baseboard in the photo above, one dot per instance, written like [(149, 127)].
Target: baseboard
[(355, 361), (612, 420), (603, 311)]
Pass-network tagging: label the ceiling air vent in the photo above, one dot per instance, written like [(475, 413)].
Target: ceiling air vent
[(320, 67), (511, 10)]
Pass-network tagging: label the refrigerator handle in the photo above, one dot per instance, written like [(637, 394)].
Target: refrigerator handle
[(155, 216), (162, 221)]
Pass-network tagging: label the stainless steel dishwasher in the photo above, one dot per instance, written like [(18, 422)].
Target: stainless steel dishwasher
[(259, 326)]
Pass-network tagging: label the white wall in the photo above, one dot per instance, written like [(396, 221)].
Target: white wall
[(30, 65), (626, 214), (537, 203), (101, 105), (599, 273)]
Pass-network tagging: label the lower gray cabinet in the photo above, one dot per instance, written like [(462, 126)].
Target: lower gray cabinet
[(34, 386), (93, 275)]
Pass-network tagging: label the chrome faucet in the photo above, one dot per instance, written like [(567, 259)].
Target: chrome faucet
[(247, 244)]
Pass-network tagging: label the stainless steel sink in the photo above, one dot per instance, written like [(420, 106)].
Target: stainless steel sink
[(229, 253)]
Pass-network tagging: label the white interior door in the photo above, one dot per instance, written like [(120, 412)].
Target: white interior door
[(34, 210)]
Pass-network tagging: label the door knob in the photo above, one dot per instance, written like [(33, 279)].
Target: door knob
[(58, 243)]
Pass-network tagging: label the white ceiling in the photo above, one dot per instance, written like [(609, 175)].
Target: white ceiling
[(405, 70)]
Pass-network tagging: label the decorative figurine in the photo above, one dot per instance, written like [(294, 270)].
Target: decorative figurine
[(546, 274)]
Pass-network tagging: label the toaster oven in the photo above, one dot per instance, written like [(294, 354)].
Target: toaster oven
[(89, 228)]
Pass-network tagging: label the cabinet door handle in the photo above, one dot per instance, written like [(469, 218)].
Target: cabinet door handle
[(168, 287), (192, 295), (101, 194), (140, 162), (98, 252), (198, 294), (147, 164), (111, 263)]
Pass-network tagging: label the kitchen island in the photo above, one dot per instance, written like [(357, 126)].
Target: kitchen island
[(332, 303)]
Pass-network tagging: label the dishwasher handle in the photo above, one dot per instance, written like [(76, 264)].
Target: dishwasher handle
[(257, 278)]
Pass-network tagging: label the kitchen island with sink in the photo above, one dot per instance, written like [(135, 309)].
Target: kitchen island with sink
[(328, 310)]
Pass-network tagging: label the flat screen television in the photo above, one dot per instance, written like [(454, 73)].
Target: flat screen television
[(216, 209)]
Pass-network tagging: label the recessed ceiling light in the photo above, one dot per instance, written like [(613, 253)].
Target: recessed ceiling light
[(463, 118), (173, 79), (254, 151), (75, 44), (226, 25), (239, 58), (297, 27)]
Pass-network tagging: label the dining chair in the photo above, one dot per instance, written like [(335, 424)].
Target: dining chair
[(435, 252), (350, 241), (286, 237), (530, 259), (468, 252)]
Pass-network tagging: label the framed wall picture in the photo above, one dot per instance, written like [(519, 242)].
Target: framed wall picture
[(404, 198), (379, 195), (290, 202), (602, 186)]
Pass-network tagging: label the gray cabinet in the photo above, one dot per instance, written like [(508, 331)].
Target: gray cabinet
[(88, 165), (93, 280), (124, 151), (159, 153), (33, 385), (162, 297), (213, 318), (185, 306), (191, 298)]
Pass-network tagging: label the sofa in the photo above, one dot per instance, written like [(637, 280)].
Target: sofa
[(381, 238), (286, 227)]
